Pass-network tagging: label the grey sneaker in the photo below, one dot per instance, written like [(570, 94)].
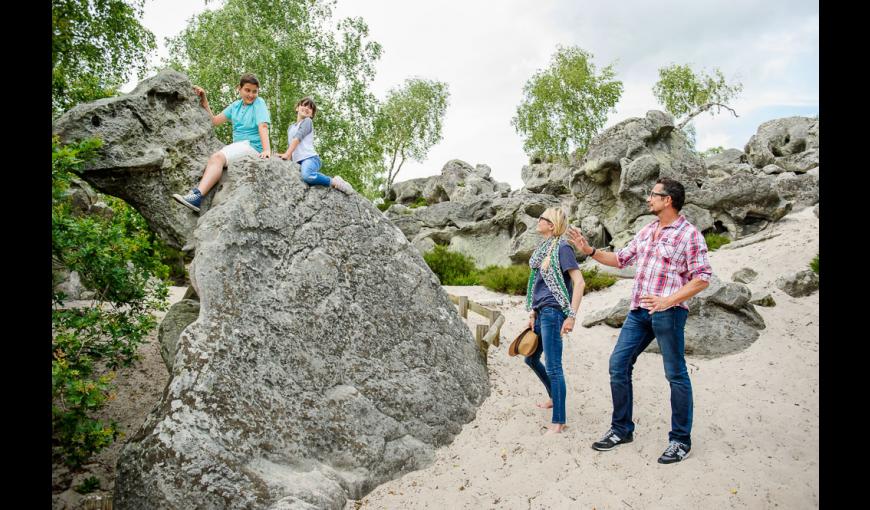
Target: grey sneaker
[(192, 200), (342, 185), (675, 452), (611, 440)]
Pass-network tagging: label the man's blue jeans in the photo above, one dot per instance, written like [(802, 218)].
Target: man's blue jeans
[(548, 326), (310, 174), (638, 331)]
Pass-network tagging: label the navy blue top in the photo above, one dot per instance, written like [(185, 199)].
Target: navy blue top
[(541, 295)]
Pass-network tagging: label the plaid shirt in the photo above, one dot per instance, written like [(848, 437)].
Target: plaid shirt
[(664, 266)]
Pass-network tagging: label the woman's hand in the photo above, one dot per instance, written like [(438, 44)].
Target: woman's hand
[(264, 155), (568, 325), (532, 321)]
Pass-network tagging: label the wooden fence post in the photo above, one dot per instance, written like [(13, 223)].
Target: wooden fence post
[(463, 306), (495, 316)]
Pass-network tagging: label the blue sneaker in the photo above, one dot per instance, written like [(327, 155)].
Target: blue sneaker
[(192, 200)]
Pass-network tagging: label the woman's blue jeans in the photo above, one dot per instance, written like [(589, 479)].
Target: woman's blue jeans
[(548, 326), (310, 174), (638, 331)]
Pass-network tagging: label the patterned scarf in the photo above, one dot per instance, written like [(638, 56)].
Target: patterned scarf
[(552, 275)]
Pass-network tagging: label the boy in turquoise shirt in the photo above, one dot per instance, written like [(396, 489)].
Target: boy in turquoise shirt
[(250, 118)]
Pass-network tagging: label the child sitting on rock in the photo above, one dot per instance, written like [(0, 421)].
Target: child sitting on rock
[(300, 137), (250, 118)]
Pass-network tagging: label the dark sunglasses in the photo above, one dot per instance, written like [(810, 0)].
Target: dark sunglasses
[(658, 194), (545, 219)]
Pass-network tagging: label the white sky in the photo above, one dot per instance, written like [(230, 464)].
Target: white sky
[(486, 51)]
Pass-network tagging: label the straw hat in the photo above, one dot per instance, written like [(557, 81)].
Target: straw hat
[(526, 343)]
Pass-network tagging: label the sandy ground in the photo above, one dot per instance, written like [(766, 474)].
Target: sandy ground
[(756, 419)]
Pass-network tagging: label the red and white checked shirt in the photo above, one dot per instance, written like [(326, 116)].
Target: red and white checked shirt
[(664, 266)]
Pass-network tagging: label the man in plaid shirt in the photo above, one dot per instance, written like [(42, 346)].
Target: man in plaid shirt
[(672, 266)]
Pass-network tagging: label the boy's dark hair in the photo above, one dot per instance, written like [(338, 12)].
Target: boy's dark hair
[(307, 101), (249, 78), (675, 190)]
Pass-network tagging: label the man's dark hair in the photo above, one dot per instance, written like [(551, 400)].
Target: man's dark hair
[(249, 78), (675, 190)]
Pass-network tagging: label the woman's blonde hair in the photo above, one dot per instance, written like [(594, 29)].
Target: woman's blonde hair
[(559, 219)]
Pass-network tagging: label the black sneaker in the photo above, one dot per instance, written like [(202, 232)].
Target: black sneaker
[(675, 452), (610, 440)]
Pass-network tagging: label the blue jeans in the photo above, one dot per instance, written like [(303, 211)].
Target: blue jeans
[(310, 174), (548, 326), (638, 331)]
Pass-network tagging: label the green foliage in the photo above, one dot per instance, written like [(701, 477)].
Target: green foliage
[(118, 259), (409, 123), (420, 202), (452, 268), (292, 49), (814, 264), (565, 105), (683, 92), (712, 151), (714, 240), (595, 280), (88, 485), (385, 205), (509, 280), (94, 45)]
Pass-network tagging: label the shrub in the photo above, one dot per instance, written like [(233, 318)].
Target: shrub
[(596, 281), (420, 202), (452, 268), (119, 259), (714, 241), (509, 280), (814, 265), (89, 484), (386, 205)]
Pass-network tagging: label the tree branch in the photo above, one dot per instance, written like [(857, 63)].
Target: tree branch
[(702, 110)]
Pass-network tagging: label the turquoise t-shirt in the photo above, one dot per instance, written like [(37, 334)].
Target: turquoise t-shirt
[(246, 118)]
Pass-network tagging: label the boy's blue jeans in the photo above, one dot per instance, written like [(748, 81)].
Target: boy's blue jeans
[(548, 326), (310, 174), (638, 331)]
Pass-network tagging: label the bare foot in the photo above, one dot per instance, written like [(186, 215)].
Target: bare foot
[(555, 428), (545, 405)]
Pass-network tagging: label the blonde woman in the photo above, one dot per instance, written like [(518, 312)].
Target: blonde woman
[(553, 297)]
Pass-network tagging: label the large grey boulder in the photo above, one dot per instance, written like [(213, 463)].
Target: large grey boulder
[(791, 143), (458, 181), (325, 359), (799, 284), (156, 141), (801, 189), (721, 320)]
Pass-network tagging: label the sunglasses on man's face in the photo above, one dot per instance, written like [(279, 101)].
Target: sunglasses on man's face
[(545, 219), (656, 193)]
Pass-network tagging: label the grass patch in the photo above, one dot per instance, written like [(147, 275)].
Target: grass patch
[(715, 241), (814, 264), (386, 205), (420, 202)]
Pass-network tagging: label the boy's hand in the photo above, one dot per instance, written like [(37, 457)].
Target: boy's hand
[(199, 91), (283, 156)]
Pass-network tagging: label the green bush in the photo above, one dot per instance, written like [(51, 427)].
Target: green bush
[(386, 205), (596, 281), (715, 241), (119, 259), (88, 485), (814, 265), (420, 202), (509, 280), (452, 268)]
